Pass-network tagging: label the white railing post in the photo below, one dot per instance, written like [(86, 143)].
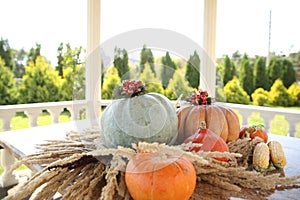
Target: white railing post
[(55, 112), (33, 116), (293, 121), (267, 118), (245, 116)]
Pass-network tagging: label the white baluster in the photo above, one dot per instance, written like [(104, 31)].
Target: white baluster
[(33, 116), (6, 120), (55, 112), (245, 116), (293, 121), (267, 118), (74, 111)]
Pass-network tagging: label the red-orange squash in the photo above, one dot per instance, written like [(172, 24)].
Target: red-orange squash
[(221, 120), (159, 176), (209, 140)]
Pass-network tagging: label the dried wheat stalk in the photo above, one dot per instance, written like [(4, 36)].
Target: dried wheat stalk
[(96, 172)]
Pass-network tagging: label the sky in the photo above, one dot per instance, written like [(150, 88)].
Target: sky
[(242, 25)]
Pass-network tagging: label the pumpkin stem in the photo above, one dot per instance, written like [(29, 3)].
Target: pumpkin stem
[(202, 125)]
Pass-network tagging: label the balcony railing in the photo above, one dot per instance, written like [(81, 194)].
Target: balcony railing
[(75, 107)]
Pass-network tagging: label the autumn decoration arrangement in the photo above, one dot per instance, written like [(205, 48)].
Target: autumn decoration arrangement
[(146, 149)]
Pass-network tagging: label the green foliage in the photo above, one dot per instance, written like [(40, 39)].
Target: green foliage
[(121, 63), (260, 97), (41, 83), (111, 81), (234, 92), (294, 91), (7, 54), (147, 57), (7, 85), (278, 95), (260, 78), (34, 53), (229, 70), (152, 84), (177, 86), (274, 70), (246, 75), (289, 74), (192, 73), (73, 84), (168, 69), (20, 58)]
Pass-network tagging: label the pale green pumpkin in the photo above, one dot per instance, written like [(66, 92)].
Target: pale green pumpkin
[(150, 118)]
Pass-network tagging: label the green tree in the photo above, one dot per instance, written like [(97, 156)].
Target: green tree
[(274, 69), (289, 74), (246, 75), (60, 60), (147, 57), (229, 70), (34, 53), (192, 73), (168, 69), (294, 91), (111, 81), (234, 92), (20, 58), (152, 83), (260, 97), (7, 54), (7, 85), (278, 95), (121, 63), (260, 76), (177, 86), (41, 83)]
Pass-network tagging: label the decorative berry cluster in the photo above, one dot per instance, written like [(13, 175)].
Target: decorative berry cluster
[(200, 97), (129, 88)]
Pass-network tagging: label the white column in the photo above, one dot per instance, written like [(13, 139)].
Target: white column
[(93, 62), (208, 66)]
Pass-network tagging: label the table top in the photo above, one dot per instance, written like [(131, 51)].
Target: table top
[(22, 142)]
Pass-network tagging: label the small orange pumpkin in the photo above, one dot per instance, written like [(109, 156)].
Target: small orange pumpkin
[(221, 120), (209, 140), (159, 176)]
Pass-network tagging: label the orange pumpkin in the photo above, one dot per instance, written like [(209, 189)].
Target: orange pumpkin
[(221, 120), (209, 140), (159, 176)]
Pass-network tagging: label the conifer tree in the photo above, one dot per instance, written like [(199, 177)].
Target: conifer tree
[(229, 70), (168, 69), (274, 69), (246, 75), (192, 73), (289, 74), (147, 57), (121, 63), (260, 77)]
